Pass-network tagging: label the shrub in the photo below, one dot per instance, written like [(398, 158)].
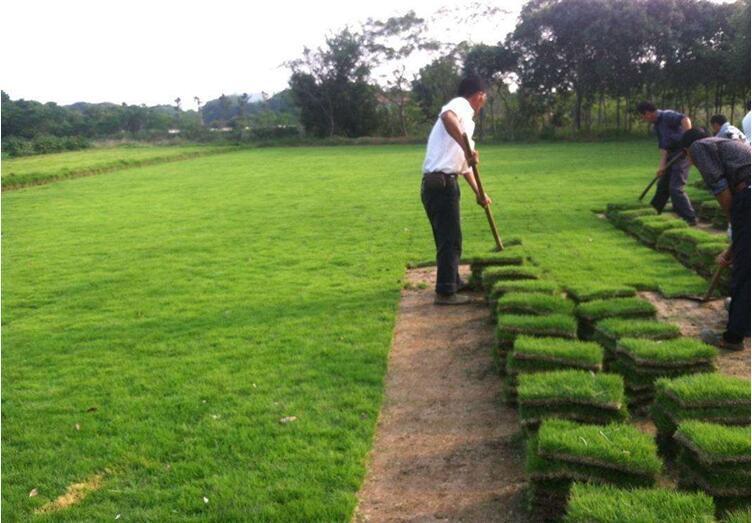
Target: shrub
[(606, 504), (536, 304)]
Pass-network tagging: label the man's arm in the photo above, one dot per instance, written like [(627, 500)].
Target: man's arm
[(724, 198), (686, 124), (453, 127)]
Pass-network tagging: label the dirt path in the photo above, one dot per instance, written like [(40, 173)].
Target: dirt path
[(692, 317), (446, 447)]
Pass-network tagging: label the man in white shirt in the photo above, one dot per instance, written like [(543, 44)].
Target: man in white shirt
[(445, 161), (722, 128), (747, 124)]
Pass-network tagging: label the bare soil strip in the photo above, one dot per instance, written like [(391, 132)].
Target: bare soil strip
[(692, 317), (446, 448)]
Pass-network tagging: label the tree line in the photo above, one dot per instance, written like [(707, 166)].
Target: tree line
[(569, 67)]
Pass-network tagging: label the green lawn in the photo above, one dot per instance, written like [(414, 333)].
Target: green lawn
[(30, 170), (194, 304)]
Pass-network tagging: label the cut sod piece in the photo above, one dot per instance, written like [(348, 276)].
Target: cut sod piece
[(622, 219), (529, 351), (584, 292), (555, 325), (675, 353), (504, 258), (648, 228), (509, 272), (714, 444), (596, 310), (562, 452), (535, 304), (710, 397), (703, 258), (570, 394), (509, 326), (615, 308), (737, 516), (607, 332), (607, 504), (522, 286)]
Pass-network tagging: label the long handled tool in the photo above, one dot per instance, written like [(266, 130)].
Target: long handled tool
[(487, 208), (669, 164), (713, 283)]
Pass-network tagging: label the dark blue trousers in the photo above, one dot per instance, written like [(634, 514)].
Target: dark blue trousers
[(739, 312), (671, 185), (440, 194)]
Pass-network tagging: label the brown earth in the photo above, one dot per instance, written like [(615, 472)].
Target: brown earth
[(692, 317), (447, 448)]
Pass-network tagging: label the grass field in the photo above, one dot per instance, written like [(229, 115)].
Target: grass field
[(159, 322)]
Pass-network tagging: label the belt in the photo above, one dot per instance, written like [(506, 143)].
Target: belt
[(442, 173)]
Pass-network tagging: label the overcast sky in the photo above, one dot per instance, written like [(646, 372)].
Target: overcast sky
[(154, 51)]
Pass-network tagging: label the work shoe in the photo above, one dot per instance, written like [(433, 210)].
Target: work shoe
[(718, 340), (451, 299)]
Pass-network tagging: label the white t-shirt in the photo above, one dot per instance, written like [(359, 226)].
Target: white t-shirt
[(747, 126), (443, 153)]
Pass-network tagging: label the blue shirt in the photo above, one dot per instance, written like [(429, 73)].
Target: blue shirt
[(668, 128)]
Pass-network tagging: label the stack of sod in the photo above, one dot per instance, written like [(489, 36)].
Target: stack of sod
[(711, 211), (505, 258), (591, 312), (683, 242), (641, 362), (606, 504), (623, 219), (532, 355), (737, 516), (612, 209), (562, 452), (703, 258), (584, 292), (648, 228), (495, 274), (711, 397), (609, 331), (534, 304), (501, 288), (577, 395), (509, 326), (715, 459)]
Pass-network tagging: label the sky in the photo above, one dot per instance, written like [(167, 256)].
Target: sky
[(151, 52)]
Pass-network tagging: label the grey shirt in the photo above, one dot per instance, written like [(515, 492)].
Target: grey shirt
[(723, 163)]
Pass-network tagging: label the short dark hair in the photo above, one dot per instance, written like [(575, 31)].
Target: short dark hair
[(470, 85), (691, 136), (646, 107), (718, 119)]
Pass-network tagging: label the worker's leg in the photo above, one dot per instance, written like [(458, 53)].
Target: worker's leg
[(739, 311), (682, 206), (441, 199)]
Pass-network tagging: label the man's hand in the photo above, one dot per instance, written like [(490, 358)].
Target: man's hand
[(473, 159), (660, 172), (726, 258), (484, 201)]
